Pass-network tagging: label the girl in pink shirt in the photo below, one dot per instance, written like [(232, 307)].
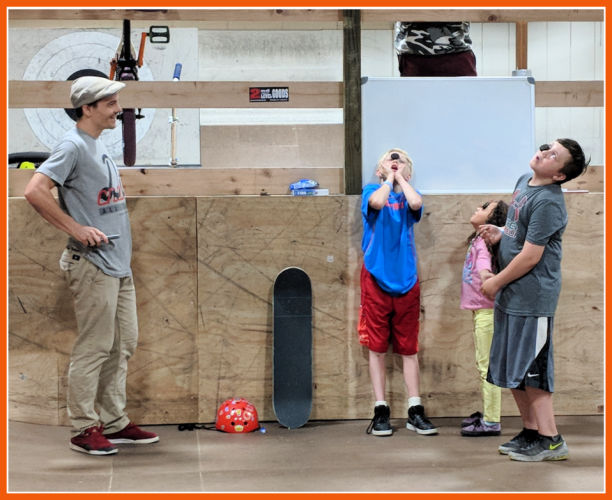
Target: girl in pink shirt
[(480, 262)]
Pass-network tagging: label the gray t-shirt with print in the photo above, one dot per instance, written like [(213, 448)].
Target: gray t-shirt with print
[(538, 215), (90, 191)]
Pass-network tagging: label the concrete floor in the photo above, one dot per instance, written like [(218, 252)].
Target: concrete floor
[(330, 456)]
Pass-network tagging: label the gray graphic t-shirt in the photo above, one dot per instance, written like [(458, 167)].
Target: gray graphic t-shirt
[(429, 39), (90, 191), (536, 214)]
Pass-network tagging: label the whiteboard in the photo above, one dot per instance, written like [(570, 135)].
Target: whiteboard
[(464, 134)]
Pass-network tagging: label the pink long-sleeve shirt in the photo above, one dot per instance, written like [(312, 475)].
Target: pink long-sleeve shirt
[(477, 258)]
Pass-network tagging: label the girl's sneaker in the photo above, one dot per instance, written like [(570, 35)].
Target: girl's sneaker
[(471, 419), (480, 428)]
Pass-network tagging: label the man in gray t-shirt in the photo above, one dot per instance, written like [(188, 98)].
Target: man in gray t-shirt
[(527, 289), (90, 190), (96, 264)]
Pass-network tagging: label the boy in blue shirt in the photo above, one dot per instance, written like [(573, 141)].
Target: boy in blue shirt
[(390, 293)]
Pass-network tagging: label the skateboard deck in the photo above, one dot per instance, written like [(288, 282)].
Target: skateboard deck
[(292, 369)]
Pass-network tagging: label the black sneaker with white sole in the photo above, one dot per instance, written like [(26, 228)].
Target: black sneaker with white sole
[(521, 440), (543, 448), (418, 422), (381, 422)]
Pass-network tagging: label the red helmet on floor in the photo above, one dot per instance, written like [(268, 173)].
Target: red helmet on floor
[(237, 415)]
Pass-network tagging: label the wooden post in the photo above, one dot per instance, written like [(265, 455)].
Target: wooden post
[(352, 101), (521, 45)]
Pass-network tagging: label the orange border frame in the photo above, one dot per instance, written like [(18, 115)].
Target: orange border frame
[(356, 4)]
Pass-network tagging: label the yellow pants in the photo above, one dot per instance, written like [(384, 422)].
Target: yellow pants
[(483, 335)]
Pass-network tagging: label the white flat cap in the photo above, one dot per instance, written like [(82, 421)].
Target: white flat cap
[(88, 89)]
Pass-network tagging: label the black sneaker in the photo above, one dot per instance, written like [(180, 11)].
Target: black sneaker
[(381, 423), (521, 440), (417, 421), (543, 448)]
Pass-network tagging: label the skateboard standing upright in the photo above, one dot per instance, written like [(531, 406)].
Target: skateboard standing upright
[(292, 371)]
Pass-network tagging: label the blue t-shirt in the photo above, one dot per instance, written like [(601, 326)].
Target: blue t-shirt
[(389, 253)]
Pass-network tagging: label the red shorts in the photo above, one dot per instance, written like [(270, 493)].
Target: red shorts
[(384, 318)]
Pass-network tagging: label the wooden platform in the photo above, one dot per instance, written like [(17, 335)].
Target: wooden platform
[(204, 269)]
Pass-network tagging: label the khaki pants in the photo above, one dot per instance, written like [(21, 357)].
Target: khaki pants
[(483, 336), (105, 309)]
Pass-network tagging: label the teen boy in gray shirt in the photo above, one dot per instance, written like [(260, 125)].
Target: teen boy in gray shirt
[(96, 264), (527, 291)]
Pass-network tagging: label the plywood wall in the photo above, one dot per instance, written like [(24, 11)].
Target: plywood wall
[(163, 381), (204, 270)]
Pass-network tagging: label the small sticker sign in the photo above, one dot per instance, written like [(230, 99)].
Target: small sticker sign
[(268, 94)]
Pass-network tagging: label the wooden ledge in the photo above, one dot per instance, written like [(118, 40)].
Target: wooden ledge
[(52, 94), (206, 181), (246, 181), (187, 94), (312, 15)]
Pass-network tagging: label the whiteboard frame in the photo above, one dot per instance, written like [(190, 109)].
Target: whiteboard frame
[(484, 125)]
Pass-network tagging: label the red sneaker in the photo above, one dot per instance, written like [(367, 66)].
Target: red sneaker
[(132, 434), (93, 442)]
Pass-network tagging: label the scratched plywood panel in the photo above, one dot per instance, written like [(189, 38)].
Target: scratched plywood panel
[(359, 386), (185, 366), (41, 326), (236, 287), (34, 374), (449, 381), (40, 310), (162, 379), (592, 180), (243, 244), (579, 321)]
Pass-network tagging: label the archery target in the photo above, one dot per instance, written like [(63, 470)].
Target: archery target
[(58, 60)]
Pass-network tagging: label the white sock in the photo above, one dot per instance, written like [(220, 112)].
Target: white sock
[(414, 401), (383, 402)]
